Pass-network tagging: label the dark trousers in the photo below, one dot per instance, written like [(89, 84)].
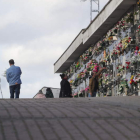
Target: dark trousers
[(15, 89), (93, 94)]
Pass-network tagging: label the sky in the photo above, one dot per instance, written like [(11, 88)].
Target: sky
[(35, 33)]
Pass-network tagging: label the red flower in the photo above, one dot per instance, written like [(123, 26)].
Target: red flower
[(127, 67), (118, 48), (137, 48), (117, 67), (128, 63)]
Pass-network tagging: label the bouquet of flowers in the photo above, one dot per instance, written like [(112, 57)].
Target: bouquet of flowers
[(132, 81), (96, 67), (130, 18), (87, 89), (138, 30), (120, 68), (77, 65), (127, 63), (75, 95)]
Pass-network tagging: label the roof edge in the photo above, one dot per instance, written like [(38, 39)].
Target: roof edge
[(69, 45), (84, 30), (97, 15)]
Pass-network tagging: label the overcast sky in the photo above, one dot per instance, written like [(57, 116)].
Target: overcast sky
[(35, 33)]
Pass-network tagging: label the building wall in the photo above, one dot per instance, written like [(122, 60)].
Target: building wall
[(110, 14), (119, 51)]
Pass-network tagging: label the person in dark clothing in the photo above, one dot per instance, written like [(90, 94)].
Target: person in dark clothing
[(65, 90), (49, 93)]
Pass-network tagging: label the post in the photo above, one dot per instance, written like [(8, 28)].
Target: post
[(90, 10), (98, 6)]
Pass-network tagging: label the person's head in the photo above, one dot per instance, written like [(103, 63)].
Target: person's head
[(11, 62), (48, 89), (40, 92), (63, 76)]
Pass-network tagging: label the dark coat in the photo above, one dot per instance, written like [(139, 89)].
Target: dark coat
[(49, 94), (65, 90)]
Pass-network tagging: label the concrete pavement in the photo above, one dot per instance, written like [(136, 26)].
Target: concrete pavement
[(108, 118)]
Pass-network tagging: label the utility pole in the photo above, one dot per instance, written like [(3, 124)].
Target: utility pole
[(97, 2)]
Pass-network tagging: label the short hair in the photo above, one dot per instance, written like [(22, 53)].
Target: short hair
[(11, 61)]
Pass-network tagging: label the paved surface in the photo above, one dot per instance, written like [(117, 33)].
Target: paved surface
[(113, 118)]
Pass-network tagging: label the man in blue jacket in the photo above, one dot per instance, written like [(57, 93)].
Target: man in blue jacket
[(13, 78)]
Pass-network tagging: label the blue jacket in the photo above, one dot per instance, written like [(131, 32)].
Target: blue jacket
[(13, 75)]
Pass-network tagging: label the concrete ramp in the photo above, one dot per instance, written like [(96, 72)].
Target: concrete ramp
[(110, 118)]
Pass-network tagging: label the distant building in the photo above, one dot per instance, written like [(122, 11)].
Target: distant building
[(41, 93)]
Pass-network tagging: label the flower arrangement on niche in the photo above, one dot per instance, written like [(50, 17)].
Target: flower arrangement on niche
[(127, 65), (138, 30), (130, 18), (120, 68), (132, 81), (117, 51)]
